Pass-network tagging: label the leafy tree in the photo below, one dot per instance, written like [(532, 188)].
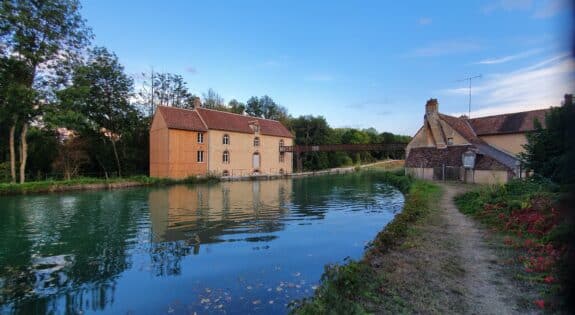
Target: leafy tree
[(43, 35), (548, 149), (253, 107), (98, 102), (213, 100), (165, 89), (15, 98), (71, 157), (236, 106)]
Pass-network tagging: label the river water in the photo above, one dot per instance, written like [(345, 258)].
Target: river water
[(223, 248)]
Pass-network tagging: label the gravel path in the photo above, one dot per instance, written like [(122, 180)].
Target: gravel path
[(486, 290)]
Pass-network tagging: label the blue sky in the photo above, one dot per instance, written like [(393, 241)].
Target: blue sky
[(358, 63)]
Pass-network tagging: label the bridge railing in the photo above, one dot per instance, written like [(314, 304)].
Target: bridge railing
[(343, 147)]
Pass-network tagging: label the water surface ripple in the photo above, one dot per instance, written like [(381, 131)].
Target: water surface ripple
[(225, 248)]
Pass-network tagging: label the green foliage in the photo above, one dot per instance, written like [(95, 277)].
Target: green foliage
[(549, 149), (341, 290), (5, 172)]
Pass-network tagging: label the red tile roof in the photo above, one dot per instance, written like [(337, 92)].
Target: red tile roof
[(461, 126), (185, 119), (202, 119), (507, 123)]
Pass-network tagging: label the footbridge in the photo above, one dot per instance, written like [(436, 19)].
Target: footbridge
[(299, 150)]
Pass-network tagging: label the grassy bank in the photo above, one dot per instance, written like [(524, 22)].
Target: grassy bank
[(356, 287), (529, 234), (88, 183)]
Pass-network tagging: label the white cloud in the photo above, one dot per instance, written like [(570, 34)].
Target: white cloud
[(320, 77), (442, 48), (425, 21), (537, 86), (505, 59)]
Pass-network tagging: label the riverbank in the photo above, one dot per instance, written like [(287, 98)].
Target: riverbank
[(430, 259), (88, 183)]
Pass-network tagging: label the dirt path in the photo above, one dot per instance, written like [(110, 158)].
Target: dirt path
[(487, 291), (445, 266)]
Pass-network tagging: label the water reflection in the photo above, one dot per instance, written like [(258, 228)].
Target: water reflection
[(203, 214), (259, 244)]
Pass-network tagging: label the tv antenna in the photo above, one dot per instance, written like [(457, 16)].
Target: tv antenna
[(469, 79)]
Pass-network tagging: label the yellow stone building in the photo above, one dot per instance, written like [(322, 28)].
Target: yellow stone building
[(202, 141), (436, 151)]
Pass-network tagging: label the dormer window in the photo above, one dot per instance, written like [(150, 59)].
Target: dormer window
[(449, 141), (255, 126)]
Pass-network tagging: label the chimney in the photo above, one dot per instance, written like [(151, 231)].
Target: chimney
[(431, 106)]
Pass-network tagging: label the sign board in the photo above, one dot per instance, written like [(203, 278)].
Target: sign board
[(468, 159)]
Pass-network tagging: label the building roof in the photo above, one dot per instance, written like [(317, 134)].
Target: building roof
[(184, 119), (462, 127), (203, 119), (429, 157), (508, 123)]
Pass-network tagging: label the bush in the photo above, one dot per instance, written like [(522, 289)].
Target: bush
[(5, 172)]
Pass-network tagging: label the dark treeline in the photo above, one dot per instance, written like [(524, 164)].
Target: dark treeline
[(68, 109)]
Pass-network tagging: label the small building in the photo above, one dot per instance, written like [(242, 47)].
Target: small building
[(202, 141), (491, 145)]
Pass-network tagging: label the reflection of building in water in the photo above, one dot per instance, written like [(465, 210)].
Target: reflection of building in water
[(203, 213)]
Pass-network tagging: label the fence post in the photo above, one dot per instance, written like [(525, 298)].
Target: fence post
[(443, 171)]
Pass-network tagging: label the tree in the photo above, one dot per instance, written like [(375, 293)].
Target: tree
[(15, 99), (253, 107), (71, 157), (42, 35), (165, 89), (100, 94), (213, 100), (237, 107), (548, 149), (266, 107)]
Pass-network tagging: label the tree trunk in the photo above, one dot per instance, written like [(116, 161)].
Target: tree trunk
[(117, 159), (12, 154), (23, 153)]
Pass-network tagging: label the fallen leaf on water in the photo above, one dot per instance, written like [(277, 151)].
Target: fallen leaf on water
[(256, 302), (202, 301), (271, 302)]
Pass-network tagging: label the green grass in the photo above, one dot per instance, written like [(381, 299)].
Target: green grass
[(77, 183), (347, 288)]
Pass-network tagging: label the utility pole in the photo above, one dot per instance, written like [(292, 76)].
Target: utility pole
[(469, 79)]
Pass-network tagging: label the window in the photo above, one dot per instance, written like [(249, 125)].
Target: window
[(256, 142), (256, 128), (226, 157), (449, 141), (281, 143), (282, 171), (200, 156), (200, 137), (225, 173), (282, 156), (226, 139)]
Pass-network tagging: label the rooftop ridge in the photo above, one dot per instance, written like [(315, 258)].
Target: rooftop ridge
[(513, 113), (241, 115)]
